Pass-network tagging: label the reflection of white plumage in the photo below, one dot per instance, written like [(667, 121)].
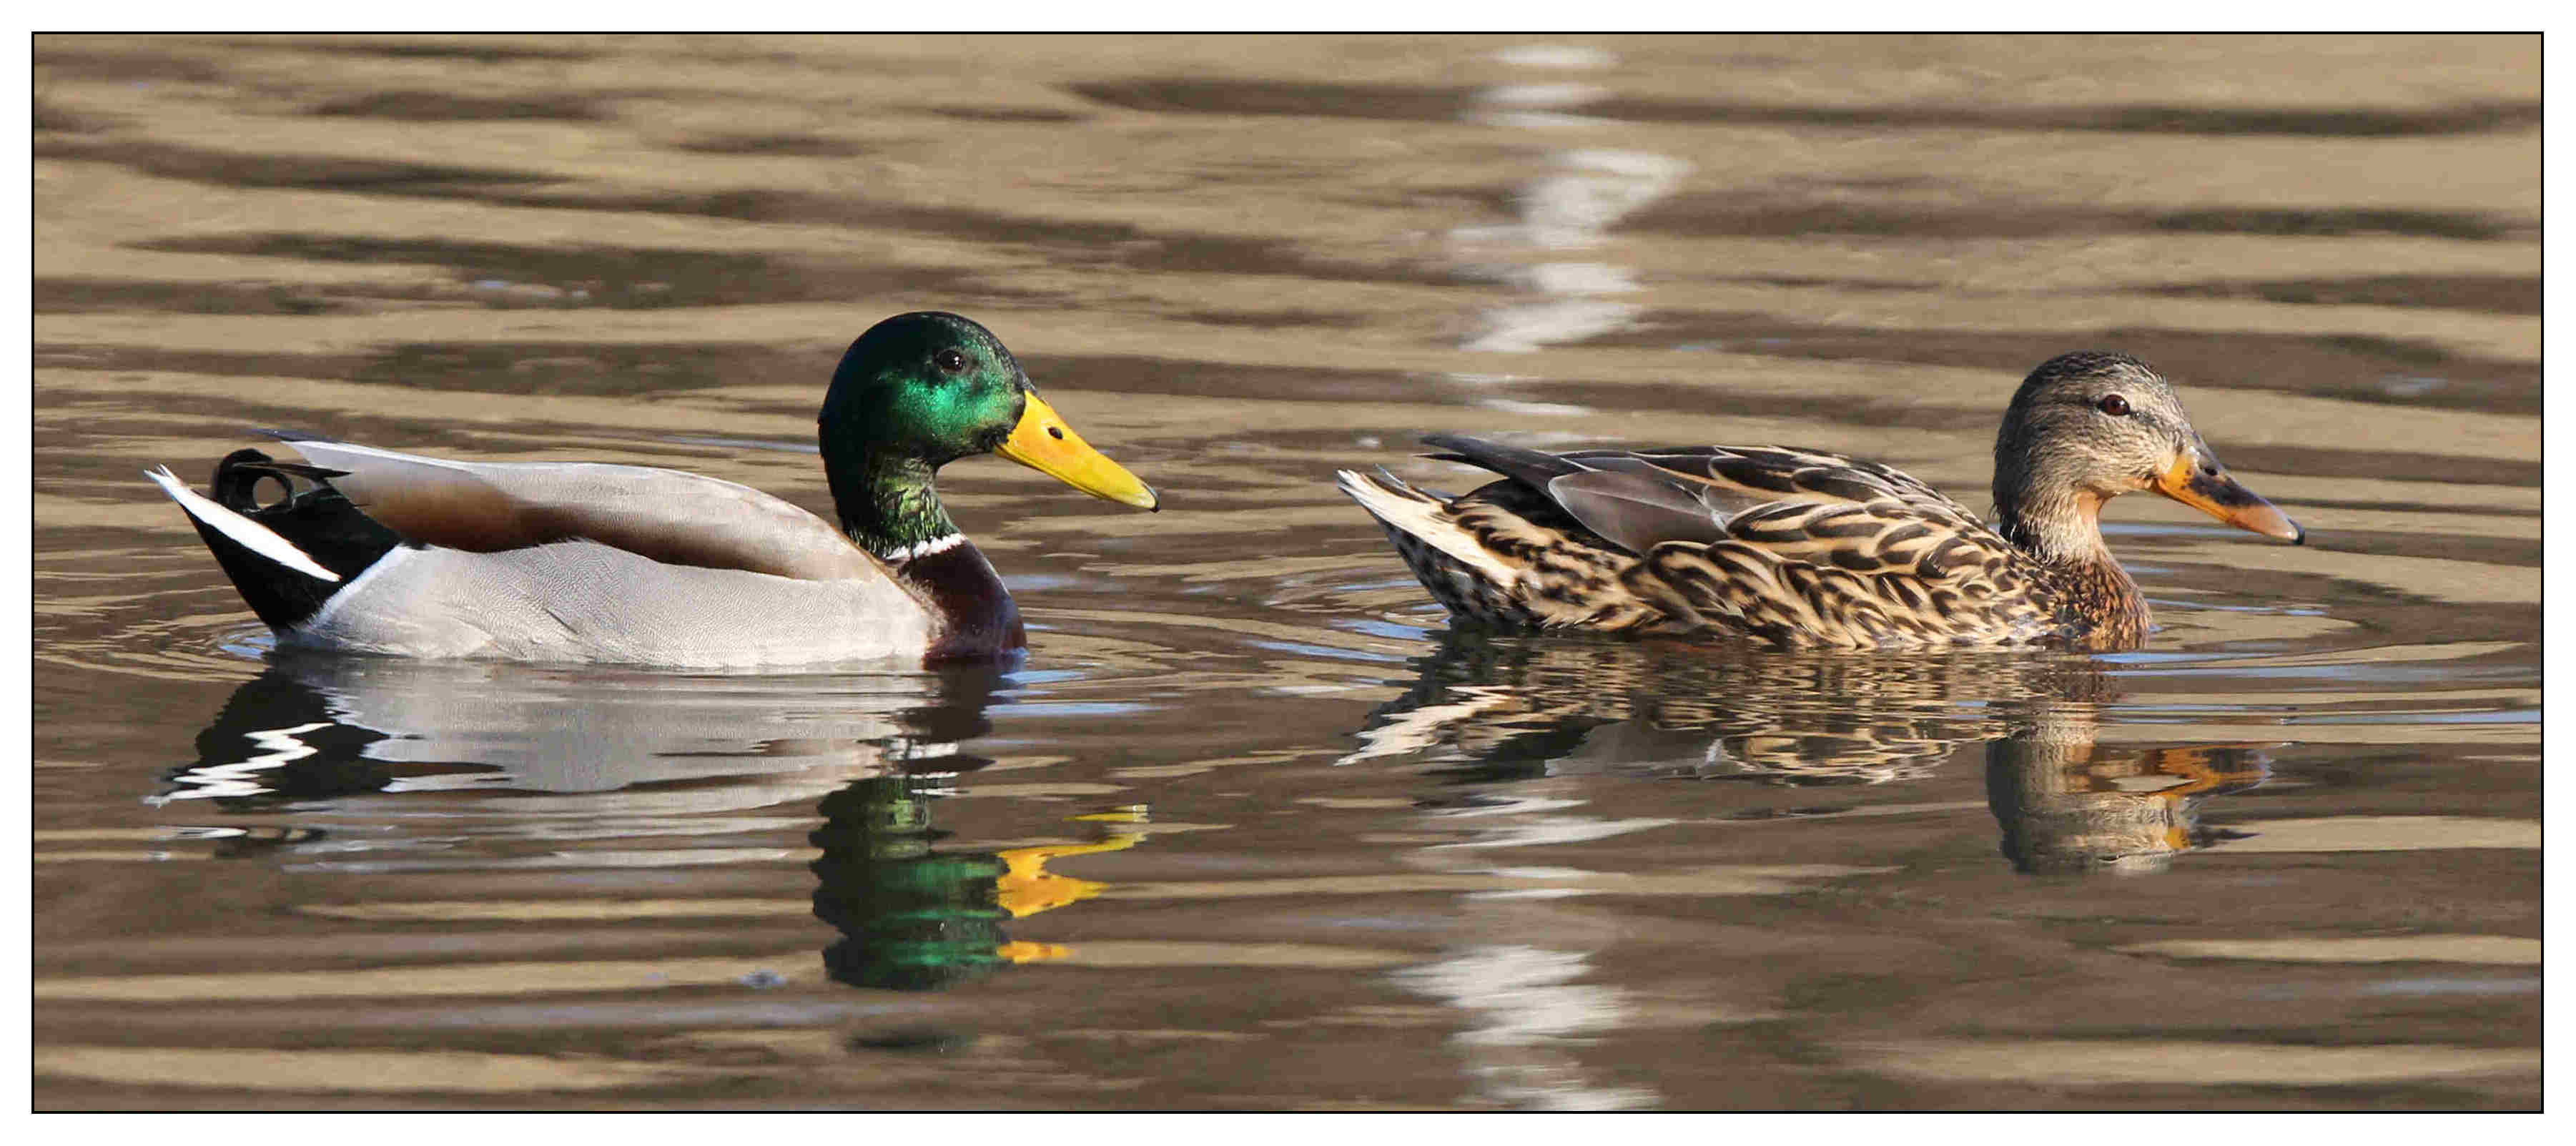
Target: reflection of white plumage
[(599, 747)]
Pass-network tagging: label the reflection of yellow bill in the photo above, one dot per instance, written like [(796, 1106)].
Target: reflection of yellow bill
[(1028, 888), (1021, 951), (2220, 495), (1044, 443)]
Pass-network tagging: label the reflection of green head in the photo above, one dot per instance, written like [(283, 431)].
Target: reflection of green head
[(927, 386), (912, 919)]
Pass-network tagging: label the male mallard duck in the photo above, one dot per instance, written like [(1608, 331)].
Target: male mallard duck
[(1804, 549), (561, 561)]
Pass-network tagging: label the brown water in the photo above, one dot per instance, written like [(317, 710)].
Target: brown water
[(1251, 828)]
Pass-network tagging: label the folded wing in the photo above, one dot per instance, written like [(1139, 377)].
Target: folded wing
[(666, 515), (1795, 505)]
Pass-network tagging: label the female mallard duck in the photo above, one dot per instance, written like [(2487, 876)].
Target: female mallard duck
[(1804, 549), (394, 553)]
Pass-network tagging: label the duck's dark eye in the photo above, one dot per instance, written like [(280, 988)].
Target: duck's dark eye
[(948, 361), (2113, 404)]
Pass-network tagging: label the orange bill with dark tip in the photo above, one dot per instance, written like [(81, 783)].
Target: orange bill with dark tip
[(1044, 443), (2217, 493)]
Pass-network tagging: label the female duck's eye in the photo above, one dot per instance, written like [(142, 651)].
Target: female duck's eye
[(2113, 404), (948, 361)]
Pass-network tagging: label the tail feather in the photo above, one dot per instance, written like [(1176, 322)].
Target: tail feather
[(288, 558), (238, 531), (1402, 508), (1530, 467)]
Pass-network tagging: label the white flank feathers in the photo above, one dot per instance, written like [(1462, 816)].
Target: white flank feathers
[(249, 534)]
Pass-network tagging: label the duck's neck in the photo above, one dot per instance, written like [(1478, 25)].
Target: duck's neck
[(2058, 528), (890, 507), (2064, 534), (977, 618)]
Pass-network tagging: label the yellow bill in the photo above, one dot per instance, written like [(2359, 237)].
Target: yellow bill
[(2212, 490), (1044, 443)]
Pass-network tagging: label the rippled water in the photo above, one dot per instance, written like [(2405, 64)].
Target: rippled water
[(1252, 828)]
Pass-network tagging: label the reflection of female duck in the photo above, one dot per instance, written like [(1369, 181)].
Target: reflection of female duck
[(1527, 706), (2069, 806), (1512, 708), (1802, 549)]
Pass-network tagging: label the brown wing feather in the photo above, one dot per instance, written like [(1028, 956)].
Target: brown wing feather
[(1821, 509), (1822, 549), (1746, 476), (669, 516), (1793, 547)]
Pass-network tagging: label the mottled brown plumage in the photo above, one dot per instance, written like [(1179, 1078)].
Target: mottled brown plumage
[(1797, 548)]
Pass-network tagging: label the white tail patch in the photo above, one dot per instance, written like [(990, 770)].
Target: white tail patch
[(1405, 508), (251, 535)]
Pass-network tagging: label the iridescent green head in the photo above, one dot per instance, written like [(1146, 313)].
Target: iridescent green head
[(928, 386), (932, 387), (921, 390)]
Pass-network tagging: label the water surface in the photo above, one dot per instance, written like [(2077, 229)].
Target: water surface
[(1253, 827)]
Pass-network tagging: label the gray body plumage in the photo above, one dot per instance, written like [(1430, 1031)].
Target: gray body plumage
[(584, 562), (377, 551), (584, 601)]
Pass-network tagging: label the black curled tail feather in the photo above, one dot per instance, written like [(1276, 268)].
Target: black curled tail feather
[(311, 515), (1533, 468), (237, 479)]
